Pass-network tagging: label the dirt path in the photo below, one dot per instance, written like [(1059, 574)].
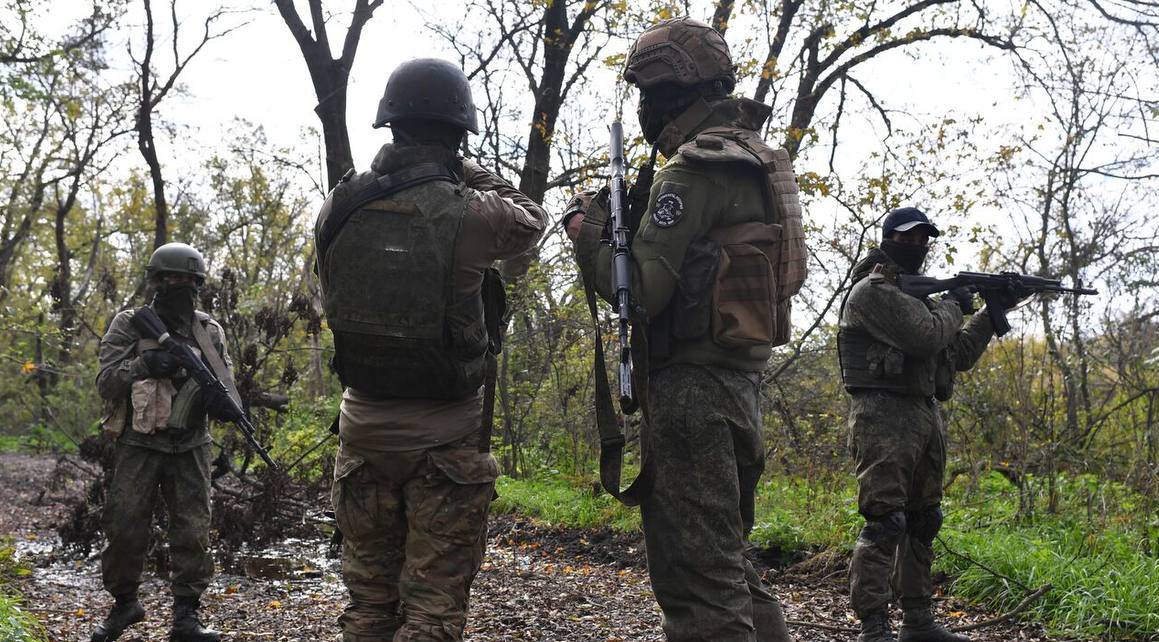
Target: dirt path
[(537, 583)]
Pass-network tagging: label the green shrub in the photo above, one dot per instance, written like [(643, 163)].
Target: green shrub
[(16, 625)]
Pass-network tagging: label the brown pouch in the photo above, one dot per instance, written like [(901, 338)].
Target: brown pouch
[(745, 297), (152, 404)]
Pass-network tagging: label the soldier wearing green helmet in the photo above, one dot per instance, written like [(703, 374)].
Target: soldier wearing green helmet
[(716, 258), (405, 253), (158, 416)]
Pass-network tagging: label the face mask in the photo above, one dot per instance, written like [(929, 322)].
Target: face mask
[(651, 121), (909, 257), (175, 304)]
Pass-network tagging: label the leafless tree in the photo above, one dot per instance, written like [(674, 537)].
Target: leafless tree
[(330, 75)]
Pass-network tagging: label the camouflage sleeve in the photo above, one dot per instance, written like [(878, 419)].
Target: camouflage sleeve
[(679, 212), (971, 341), (119, 364), (511, 210), (501, 229), (902, 321)]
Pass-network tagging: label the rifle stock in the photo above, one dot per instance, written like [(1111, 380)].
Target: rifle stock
[(146, 321)]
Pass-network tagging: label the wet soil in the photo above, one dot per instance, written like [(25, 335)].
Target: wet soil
[(538, 583)]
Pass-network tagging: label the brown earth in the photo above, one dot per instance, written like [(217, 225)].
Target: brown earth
[(538, 583)]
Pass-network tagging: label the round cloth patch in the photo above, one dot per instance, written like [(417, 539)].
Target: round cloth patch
[(669, 208)]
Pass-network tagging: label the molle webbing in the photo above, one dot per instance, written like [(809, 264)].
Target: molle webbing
[(382, 187)]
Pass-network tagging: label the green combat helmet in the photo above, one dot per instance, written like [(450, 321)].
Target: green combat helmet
[(428, 89), (176, 257), (680, 51)]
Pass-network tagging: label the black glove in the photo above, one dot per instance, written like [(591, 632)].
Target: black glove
[(219, 406), (159, 364), (963, 297), (1002, 299)]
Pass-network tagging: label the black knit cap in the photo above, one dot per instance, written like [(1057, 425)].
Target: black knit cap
[(904, 219)]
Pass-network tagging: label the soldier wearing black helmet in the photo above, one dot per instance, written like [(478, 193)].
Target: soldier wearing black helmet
[(404, 257), (899, 356), (157, 414), (718, 254)]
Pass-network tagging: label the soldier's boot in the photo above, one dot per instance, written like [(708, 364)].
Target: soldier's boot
[(918, 625), (186, 626), (126, 612), (875, 628)]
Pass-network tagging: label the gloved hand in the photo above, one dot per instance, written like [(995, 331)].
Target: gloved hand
[(219, 406), (589, 205), (963, 297), (159, 364), (1002, 299)]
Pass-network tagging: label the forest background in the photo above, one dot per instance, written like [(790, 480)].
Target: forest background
[(1026, 129)]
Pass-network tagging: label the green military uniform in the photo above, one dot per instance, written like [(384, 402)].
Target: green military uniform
[(899, 356), (703, 441), (174, 461), (158, 415), (412, 487)]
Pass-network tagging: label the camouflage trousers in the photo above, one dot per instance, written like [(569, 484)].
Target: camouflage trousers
[(703, 445), (415, 528), (139, 477), (899, 446)]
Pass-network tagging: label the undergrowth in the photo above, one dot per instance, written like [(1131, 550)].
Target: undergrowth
[(16, 625), (1104, 574)]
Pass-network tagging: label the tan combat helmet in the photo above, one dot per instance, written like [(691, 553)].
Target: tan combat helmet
[(679, 51)]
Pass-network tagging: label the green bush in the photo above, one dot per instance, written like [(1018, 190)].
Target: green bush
[(16, 625)]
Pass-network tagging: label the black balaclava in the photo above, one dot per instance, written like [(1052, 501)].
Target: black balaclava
[(661, 104), (175, 304), (908, 256)]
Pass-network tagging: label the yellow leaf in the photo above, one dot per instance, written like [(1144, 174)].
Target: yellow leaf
[(80, 612), (958, 614), (28, 368), (275, 604)]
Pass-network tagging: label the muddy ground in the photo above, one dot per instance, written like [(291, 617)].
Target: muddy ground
[(537, 583)]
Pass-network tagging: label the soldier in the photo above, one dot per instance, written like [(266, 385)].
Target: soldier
[(716, 256), (157, 414), (404, 256), (899, 355)]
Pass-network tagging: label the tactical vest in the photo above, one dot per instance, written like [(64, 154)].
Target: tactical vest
[(388, 293), (869, 364), (738, 282)]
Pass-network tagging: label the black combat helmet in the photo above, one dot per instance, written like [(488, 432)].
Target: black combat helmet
[(176, 258), (429, 89)]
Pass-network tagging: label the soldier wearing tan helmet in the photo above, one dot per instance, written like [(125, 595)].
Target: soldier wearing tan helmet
[(717, 255)]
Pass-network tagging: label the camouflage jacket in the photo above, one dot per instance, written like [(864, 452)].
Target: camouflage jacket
[(893, 341), (121, 365)]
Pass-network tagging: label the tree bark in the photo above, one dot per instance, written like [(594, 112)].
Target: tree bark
[(330, 75)]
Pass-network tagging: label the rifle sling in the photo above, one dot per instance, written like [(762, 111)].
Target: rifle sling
[(216, 364), (611, 437), (384, 186)]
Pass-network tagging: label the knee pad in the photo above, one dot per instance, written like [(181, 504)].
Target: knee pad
[(886, 529), (923, 525)]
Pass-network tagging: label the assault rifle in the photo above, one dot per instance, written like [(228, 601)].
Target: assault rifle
[(621, 265), (998, 290), (146, 321)]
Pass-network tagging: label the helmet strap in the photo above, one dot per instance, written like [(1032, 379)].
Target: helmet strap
[(676, 132)]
